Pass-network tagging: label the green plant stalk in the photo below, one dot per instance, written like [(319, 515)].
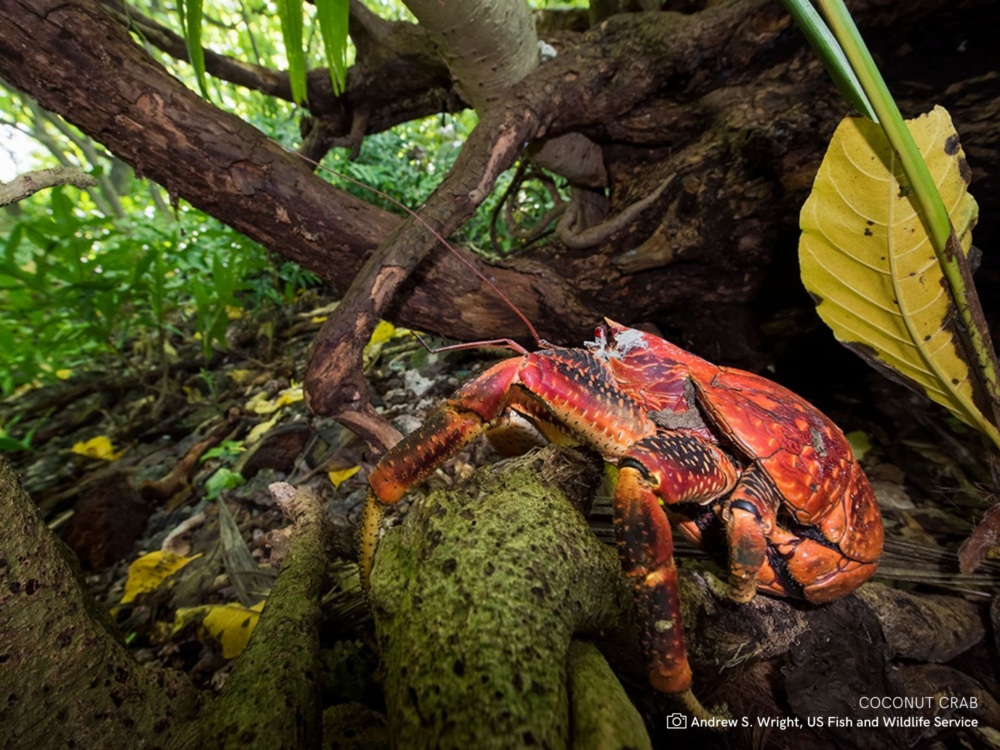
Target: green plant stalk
[(823, 42), (926, 196)]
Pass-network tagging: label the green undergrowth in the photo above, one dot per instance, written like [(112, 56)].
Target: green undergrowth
[(80, 290)]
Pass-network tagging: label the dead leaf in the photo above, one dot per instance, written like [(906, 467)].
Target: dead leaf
[(150, 571), (98, 447), (340, 476), (230, 625)]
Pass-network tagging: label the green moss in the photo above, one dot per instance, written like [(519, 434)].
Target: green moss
[(476, 598)]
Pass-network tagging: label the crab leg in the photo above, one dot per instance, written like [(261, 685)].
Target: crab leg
[(748, 515), (566, 393), (418, 455), (667, 467)]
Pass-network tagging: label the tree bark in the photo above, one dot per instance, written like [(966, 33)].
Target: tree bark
[(476, 600), (69, 680), (724, 104), (67, 677)]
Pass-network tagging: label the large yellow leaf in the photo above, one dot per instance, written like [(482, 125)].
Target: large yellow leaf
[(870, 264), (230, 625), (150, 571)]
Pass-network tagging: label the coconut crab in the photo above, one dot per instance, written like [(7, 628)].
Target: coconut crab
[(720, 453)]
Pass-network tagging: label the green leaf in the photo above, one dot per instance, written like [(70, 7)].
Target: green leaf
[(866, 256), (333, 16), (223, 479), (290, 13), (828, 50), (191, 12)]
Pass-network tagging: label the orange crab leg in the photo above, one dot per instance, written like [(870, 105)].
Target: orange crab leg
[(566, 393), (418, 455), (748, 515), (646, 548), (663, 468)]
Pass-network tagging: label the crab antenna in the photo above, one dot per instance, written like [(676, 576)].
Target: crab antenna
[(482, 277)]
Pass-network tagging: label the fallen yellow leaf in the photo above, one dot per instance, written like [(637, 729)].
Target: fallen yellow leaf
[(150, 571), (232, 625), (258, 432), (382, 333), (240, 376), (259, 403), (338, 477), (98, 447), (290, 395)]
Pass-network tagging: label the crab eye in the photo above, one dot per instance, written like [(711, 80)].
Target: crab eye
[(601, 333)]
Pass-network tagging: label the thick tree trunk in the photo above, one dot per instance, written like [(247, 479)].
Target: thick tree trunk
[(68, 679), (476, 601)]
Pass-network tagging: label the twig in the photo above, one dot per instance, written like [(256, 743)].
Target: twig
[(27, 184)]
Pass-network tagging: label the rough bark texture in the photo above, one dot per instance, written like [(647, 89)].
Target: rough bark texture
[(488, 46), (68, 679), (334, 381)]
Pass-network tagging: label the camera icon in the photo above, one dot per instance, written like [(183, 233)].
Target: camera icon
[(677, 720)]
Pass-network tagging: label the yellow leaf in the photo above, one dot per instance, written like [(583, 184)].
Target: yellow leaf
[(240, 376), (231, 625), (150, 571), (64, 374), (382, 333), (192, 395), (290, 395), (260, 404), (184, 616), (340, 476), (98, 447), (259, 430), (867, 258)]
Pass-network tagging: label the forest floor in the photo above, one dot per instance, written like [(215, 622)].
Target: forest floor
[(177, 459)]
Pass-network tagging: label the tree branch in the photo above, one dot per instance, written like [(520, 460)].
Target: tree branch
[(334, 381), (29, 183), (686, 84)]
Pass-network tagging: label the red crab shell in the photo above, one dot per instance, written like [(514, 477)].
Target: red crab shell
[(803, 453)]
